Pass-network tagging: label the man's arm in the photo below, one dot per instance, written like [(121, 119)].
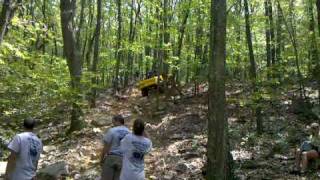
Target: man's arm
[(11, 164), (105, 150)]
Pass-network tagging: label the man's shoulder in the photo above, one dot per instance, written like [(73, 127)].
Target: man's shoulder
[(120, 128)]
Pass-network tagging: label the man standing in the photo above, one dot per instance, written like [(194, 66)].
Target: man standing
[(25, 151), (111, 156), (134, 147)]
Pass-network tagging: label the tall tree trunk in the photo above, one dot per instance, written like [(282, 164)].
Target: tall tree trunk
[(317, 68), (293, 39), (198, 52), (272, 35), (268, 37), (217, 127), (67, 10), (119, 51), (132, 36), (279, 44), (44, 13), (81, 22), (95, 62), (164, 66), (4, 18), (238, 9), (253, 74), (182, 29)]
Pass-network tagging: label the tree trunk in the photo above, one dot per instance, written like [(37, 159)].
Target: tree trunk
[(272, 35), (182, 29), (67, 10), (268, 37), (217, 124), (293, 39), (95, 62), (81, 22), (279, 44), (253, 74), (317, 68), (164, 66), (118, 51), (4, 18)]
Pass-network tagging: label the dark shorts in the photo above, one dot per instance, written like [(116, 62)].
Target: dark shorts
[(111, 167)]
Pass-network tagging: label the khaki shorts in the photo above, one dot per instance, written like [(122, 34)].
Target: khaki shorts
[(111, 167)]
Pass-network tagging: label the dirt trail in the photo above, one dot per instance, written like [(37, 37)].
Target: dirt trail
[(178, 132), (175, 129)]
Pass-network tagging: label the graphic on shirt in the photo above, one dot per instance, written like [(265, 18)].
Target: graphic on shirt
[(34, 149), (137, 156)]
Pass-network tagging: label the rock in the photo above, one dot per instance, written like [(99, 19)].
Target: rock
[(105, 121), (53, 172), (169, 175), (47, 149), (190, 155), (3, 166), (182, 167), (91, 174), (77, 176)]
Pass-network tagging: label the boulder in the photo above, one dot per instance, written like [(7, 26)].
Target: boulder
[(102, 121), (182, 167), (53, 172), (47, 149), (90, 174), (170, 175)]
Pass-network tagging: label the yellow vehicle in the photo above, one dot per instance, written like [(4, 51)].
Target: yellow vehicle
[(149, 84)]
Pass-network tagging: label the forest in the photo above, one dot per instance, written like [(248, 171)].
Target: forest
[(228, 89)]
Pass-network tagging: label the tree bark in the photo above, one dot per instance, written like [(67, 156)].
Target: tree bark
[(119, 51), (67, 10), (293, 39), (268, 37), (253, 74), (272, 35), (217, 124), (95, 62), (317, 68), (182, 29), (4, 18), (279, 44)]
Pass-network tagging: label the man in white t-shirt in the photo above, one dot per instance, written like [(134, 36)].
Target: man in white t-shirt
[(111, 156), (25, 150), (134, 147)]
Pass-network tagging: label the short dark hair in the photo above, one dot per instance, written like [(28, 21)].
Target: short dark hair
[(29, 123), (138, 127), (118, 118)]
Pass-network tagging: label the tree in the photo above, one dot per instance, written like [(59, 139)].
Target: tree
[(67, 10), (118, 47), (7, 13), (217, 126), (253, 73), (95, 62)]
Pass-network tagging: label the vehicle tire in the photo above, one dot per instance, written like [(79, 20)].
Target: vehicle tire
[(144, 92)]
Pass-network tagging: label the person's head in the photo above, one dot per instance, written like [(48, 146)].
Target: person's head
[(138, 127), (314, 127), (118, 120), (29, 123)]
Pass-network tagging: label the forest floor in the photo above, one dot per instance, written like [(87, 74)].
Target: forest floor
[(178, 131)]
